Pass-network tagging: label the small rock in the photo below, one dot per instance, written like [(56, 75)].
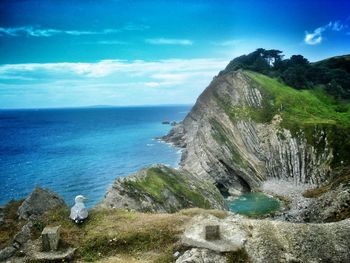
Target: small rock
[(38, 202), (23, 236), (50, 238), (7, 252), (176, 254)]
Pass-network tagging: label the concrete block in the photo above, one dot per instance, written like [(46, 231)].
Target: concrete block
[(50, 238)]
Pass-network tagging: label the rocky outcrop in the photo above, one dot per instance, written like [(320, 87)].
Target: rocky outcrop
[(35, 205), (329, 202), (260, 241), (231, 141), (334, 205), (161, 189), (38, 202)]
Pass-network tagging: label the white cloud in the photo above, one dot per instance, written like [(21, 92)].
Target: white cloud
[(226, 43), (35, 31), (161, 69), (114, 82), (316, 37), (169, 41)]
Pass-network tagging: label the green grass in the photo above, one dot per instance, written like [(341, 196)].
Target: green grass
[(309, 113), (108, 233), (159, 180), (301, 107)]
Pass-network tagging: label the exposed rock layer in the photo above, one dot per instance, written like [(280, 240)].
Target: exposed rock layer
[(226, 147)]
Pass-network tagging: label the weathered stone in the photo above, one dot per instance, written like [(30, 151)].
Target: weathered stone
[(51, 238), (54, 256), (232, 236), (201, 255), (273, 241), (38, 202), (23, 235), (7, 252), (329, 207), (212, 232)]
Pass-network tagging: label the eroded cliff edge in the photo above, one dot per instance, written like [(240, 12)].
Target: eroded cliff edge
[(246, 127), (162, 189)]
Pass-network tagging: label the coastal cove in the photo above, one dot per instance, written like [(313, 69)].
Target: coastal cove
[(81, 150)]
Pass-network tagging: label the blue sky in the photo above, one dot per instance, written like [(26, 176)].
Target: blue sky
[(62, 53)]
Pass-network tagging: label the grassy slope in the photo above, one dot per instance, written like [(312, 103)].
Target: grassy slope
[(112, 234), (306, 111), (302, 107), (157, 180)]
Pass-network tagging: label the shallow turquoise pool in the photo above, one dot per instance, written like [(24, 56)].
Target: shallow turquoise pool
[(254, 204)]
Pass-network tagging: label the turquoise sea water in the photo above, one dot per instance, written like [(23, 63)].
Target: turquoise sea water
[(254, 204), (80, 151)]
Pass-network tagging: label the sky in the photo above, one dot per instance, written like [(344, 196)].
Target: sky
[(73, 53)]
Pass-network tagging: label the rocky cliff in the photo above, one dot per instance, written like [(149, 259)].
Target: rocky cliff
[(162, 189), (246, 127)]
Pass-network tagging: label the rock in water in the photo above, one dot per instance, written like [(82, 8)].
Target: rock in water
[(38, 202)]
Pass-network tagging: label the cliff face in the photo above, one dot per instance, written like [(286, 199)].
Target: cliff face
[(162, 189), (242, 130)]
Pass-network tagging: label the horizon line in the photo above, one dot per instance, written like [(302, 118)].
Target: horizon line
[(99, 106)]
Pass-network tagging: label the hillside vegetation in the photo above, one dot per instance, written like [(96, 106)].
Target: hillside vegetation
[(332, 75), (311, 112)]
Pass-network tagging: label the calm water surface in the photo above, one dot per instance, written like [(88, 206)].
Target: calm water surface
[(254, 204), (80, 151)]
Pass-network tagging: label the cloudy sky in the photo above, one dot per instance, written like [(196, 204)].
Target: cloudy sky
[(68, 53)]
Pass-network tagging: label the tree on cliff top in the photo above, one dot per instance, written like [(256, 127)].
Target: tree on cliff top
[(333, 75)]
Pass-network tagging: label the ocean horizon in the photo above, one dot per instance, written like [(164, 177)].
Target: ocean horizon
[(81, 150)]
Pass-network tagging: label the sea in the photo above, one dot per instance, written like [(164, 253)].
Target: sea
[(81, 150)]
